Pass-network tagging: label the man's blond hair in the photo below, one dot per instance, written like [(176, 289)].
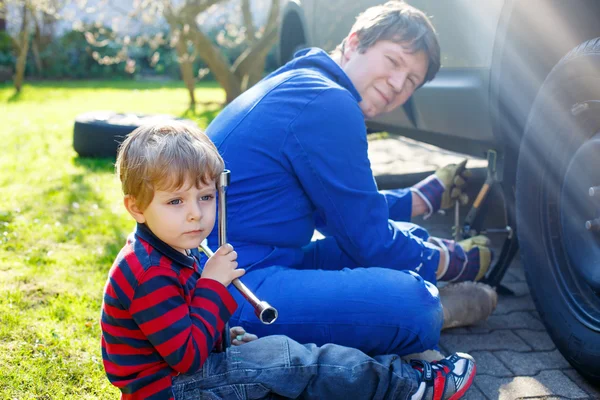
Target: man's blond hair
[(164, 156)]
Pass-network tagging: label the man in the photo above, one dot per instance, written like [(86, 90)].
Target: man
[(296, 144)]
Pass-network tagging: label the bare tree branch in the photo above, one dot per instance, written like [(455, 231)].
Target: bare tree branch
[(245, 62), (248, 22), (196, 7)]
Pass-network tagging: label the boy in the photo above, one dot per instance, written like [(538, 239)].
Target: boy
[(162, 314)]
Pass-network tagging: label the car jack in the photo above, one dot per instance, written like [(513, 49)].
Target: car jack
[(468, 229)]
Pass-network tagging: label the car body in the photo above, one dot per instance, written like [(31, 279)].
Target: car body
[(507, 89)]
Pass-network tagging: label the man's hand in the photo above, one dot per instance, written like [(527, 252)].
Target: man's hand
[(222, 266), (442, 189), (467, 260), (239, 336), (454, 178)]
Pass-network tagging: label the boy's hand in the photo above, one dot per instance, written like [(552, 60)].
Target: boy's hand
[(222, 266), (239, 336)]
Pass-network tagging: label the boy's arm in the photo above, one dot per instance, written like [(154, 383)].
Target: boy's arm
[(183, 335)]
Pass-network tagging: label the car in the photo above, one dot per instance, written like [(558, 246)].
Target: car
[(520, 86)]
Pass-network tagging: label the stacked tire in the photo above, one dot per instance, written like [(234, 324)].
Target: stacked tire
[(99, 133)]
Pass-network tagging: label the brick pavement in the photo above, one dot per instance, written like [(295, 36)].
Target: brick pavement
[(516, 359)]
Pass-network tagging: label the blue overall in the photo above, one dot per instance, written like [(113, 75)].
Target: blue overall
[(296, 145)]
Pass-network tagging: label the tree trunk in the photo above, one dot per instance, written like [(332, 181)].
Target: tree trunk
[(249, 67), (257, 73), (36, 44), (23, 50), (2, 17), (217, 64), (186, 68)]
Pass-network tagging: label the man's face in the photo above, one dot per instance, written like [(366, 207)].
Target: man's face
[(182, 218), (385, 75)]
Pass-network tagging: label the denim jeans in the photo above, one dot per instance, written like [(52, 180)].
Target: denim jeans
[(278, 367)]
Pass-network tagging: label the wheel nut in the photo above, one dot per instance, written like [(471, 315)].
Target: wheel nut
[(594, 191), (593, 224)]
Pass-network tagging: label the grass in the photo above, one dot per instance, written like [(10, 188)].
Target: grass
[(61, 225)]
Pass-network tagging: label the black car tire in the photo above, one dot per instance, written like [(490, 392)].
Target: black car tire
[(559, 161), (99, 133)]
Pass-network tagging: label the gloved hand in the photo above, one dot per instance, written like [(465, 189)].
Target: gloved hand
[(444, 187), (454, 178), (468, 260)]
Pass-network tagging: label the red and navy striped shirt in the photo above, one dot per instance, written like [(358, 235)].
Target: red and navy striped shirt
[(159, 318)]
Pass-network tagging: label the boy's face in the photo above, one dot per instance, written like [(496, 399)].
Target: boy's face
[(181, 218), (385, 75)]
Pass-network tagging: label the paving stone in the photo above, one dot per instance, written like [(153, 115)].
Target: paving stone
[(536, 315), (547, 383), (517, 273), (508, 304), (474, 393), (489, 364), (458, 331), (532, 363), (519, 288), (583, 384), (514, 320), (508, 277), (496, 340), (539, 341)]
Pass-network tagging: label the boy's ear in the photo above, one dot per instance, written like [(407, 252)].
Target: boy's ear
[(132, 208)]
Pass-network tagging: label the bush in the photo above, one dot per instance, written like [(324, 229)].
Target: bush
[(70, 56)]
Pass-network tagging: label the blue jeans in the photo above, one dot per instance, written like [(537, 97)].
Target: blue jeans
[(276, 366)]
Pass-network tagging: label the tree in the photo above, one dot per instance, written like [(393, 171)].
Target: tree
[(34, 16), (190, 40)]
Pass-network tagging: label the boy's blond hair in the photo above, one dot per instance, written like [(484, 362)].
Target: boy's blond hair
[(162, 157)]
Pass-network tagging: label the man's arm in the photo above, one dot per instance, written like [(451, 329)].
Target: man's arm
[(327, 148), (404, 204)]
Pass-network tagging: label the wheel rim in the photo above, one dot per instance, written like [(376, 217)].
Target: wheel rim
[(580, 210), (575, 250)]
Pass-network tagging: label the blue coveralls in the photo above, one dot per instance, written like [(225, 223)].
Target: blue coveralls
[(296, 145)]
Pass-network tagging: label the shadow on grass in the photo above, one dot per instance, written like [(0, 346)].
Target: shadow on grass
[(203, 113), (106, 164), (15, 97), (82, 191)]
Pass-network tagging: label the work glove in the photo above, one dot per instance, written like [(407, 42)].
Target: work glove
[(444, 188), (467, 260)]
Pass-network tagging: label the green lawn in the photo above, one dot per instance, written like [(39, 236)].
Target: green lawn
[(61, 225)]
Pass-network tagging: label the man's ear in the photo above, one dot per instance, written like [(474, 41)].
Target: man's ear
[(132, 208), (351, 46)]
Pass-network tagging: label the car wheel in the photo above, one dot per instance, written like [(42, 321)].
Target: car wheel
[(557, 207), (99, 133)]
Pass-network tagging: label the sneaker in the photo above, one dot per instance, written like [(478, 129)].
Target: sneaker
[(447, 379)]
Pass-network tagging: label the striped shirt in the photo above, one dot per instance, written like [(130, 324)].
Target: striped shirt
[(159, 318)]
